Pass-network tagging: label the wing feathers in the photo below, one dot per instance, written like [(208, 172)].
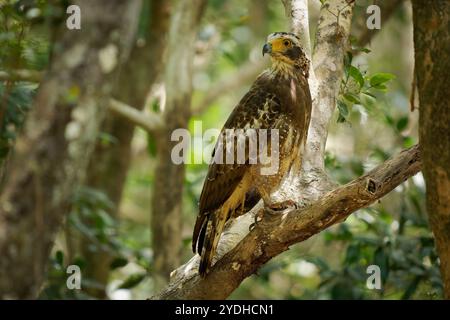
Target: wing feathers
[(267, 105), (217, 223)]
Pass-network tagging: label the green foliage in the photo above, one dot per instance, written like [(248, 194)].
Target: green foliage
[(404, 253), (15, 102), (56, 287), (19, 49), (91, 221), (359, 88), (91, 218)]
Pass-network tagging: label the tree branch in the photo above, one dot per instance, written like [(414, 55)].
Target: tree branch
[(297, 11), (149, 121), (273, 235), (331, 44), (241, 253), (21, 75)]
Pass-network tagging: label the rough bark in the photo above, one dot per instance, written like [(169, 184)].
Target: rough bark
[(169, 177), (51, 155), (275, 234), (432, 47), (109, 162)]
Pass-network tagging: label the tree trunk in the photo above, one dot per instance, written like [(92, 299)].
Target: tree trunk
[(52, 154), (109, 163), (169, 177), (432, 46)]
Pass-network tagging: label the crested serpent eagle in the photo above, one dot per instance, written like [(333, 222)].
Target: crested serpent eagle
[(279, 99)]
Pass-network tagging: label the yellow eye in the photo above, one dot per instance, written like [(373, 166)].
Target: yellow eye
[(287, 43)]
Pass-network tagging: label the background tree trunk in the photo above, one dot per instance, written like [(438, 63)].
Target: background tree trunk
[(109, 163), (169, 177), (52, 154), (432, 65)]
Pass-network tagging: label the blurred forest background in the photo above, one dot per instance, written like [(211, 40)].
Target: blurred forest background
[(130, 222)]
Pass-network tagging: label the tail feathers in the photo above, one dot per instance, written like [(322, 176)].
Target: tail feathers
[(212, 231), (199, 233)]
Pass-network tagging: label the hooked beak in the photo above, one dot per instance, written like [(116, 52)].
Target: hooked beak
[(267, 48)]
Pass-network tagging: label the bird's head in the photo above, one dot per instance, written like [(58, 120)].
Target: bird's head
[(286, 52)]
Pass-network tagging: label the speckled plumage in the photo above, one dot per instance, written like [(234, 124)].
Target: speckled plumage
[(278, 99)]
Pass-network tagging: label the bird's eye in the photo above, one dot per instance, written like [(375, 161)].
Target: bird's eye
[(287, 43)]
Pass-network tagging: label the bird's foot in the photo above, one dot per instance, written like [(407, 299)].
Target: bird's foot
[(276, 208), (273, 210)]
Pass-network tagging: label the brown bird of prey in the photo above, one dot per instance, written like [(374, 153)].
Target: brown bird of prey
[(279, 99)]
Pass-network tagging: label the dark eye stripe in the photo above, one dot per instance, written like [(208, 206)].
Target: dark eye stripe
[(293, 53)]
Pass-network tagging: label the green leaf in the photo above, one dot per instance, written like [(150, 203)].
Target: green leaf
[(151, 145), (365, 50), (381, 259), (341, 119), (402, 123), (133, 280), (412, 287), (353, 253), (369, 94), (349, 57), (118, 263), (59, 257), (342, 107), (408, 142), (380, 87), (319, 262), (352, 98), (357, 75), (107, 139), (389, 120), (380, 78), (357, 167), (155, 106), (347, 63)]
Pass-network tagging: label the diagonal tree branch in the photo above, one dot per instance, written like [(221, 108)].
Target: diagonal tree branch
[(257, 247), (241, 253), (273, 235)]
